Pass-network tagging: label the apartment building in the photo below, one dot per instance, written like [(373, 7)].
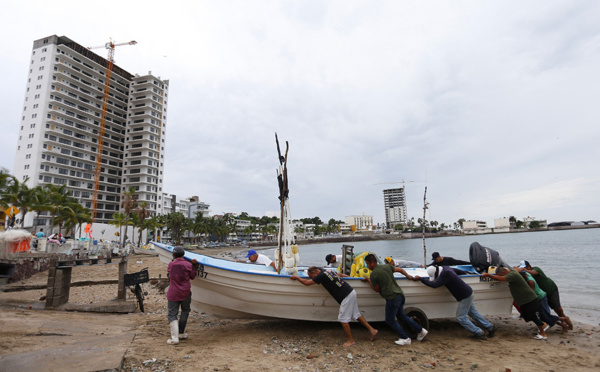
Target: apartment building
[(395, 207), (60, 128)]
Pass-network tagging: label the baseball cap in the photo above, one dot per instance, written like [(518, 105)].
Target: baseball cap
[(178, 250), (250, 253), (524, 264), (435, 255), (431, 271), (387, 260)]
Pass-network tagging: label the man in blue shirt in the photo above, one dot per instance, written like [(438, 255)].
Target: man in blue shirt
[(463, 293)]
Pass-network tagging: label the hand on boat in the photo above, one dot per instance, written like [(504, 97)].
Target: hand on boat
[(194, 262)]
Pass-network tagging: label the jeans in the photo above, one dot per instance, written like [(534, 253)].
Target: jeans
[(394, 308), (465, 309), (545, 312), (185, 312)]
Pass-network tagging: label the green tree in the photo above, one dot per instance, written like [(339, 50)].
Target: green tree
[(59, 200), (42, 202), (118, 219), (175, 223), (128, 204), (19, 195), (142, 212)]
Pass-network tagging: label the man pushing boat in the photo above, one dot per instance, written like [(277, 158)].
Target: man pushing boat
[(344, 294)]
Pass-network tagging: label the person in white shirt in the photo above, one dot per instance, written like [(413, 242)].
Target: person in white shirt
[(254, 257), (333, 260)]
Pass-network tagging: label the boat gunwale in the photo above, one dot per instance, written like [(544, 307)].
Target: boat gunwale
[(273, 274)]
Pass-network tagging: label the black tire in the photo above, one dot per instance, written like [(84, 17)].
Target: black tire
[(419, 317), (140, 297)]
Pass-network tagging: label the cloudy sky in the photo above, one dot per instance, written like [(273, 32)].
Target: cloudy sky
[(492, 105)]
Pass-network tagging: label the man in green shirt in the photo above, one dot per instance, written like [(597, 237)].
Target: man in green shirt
[(383, 282), (548, 286), (524, 297)]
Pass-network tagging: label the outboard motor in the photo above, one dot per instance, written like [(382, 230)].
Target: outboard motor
[(482, 257)]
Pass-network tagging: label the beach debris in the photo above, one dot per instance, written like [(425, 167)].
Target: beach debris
[(349, 356)]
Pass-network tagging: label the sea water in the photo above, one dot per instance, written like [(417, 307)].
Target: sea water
[(569, 257)]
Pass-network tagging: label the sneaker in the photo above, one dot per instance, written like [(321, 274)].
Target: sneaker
[(492, 331), (422, 334), (402, 341), (183, 336), (480, 337)]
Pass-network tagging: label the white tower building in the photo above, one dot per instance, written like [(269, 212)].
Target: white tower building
[(59, 128)]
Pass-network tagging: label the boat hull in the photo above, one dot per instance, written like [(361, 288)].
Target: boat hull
[(237, 290)]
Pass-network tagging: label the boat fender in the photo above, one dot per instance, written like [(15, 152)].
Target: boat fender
[(361, 263), (295, 249), (289, 262)]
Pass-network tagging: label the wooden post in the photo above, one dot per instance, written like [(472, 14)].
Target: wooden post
[(121, 294)]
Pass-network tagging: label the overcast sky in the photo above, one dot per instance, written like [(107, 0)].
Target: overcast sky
[(493, 105)]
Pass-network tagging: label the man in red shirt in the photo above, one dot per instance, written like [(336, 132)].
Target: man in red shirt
[(180, 272)]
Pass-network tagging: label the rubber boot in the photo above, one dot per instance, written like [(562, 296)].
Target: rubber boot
[(174, 340), (182, 323)]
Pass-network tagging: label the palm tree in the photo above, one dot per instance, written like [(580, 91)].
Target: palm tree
[(19, 195), (127, 205), (142, 214), (175, 222), (59, 197), (118, 220), (67, 212), (41, 203), (76, 215), (156, 223), (134, 221), (200, 225)]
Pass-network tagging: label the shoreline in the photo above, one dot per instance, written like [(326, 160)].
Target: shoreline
[(273, 344)]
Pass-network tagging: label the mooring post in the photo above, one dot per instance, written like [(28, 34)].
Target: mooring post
[(121, 295)]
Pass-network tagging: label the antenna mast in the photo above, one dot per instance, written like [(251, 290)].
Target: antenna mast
[(425, 204)]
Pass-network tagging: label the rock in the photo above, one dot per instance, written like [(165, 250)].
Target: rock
[(309, 356), (349, 356), (474, 365)]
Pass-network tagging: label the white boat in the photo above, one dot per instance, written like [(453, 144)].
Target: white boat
[(236, 290)]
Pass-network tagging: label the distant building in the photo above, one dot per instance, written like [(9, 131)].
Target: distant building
[(475, 227), (395, 207), (196, 206), (361, 222), (501, 225), (542, 224)]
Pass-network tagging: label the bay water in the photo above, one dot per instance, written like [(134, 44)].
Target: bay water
[(569, 257)]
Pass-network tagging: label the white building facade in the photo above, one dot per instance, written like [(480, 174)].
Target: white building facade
[(60, 128), (361, 222)]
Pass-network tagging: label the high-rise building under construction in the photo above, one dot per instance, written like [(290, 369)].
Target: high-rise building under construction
[(60, 128), (395, 207)]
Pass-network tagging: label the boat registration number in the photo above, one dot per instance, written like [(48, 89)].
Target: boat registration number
[(201, 273)]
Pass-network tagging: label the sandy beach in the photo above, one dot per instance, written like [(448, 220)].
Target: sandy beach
[(254, 345)]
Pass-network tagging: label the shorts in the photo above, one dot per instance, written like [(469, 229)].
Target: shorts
[(554, 299), (531, 312), (349, 309)]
